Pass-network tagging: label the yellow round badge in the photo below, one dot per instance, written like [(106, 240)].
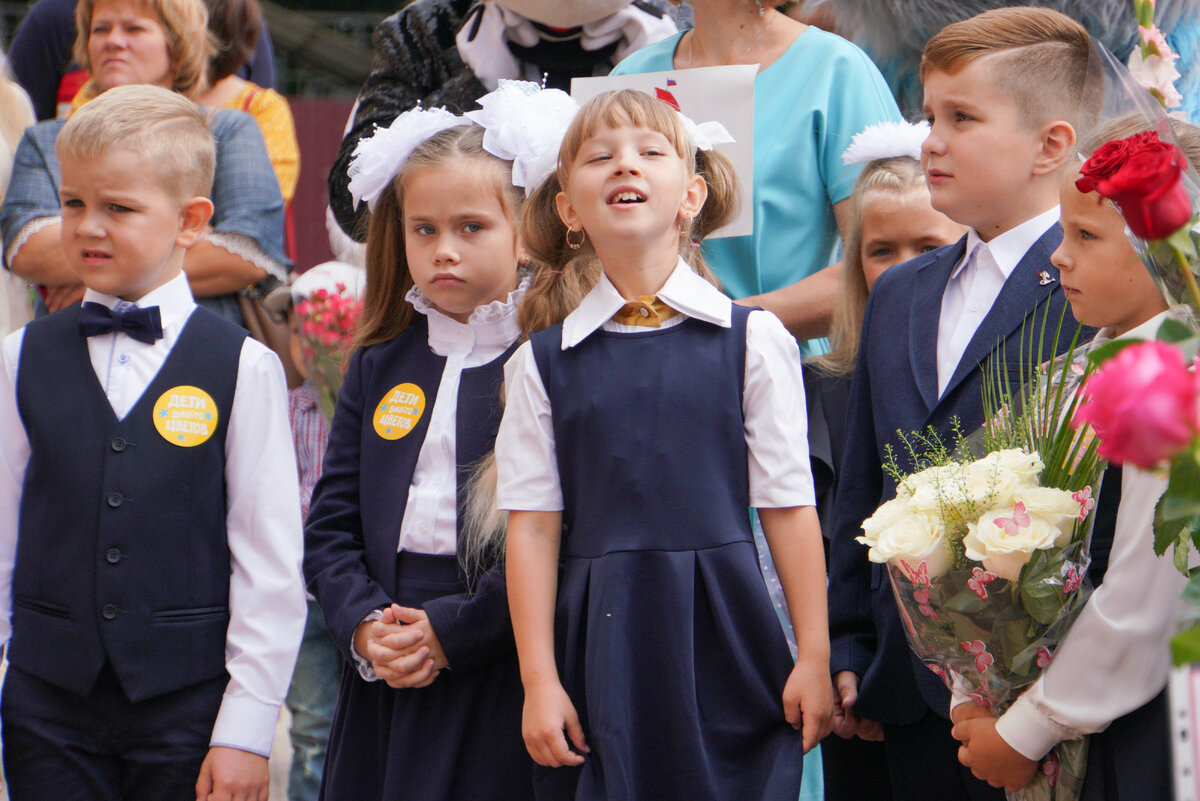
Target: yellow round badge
[(399, 410), (185, 416)]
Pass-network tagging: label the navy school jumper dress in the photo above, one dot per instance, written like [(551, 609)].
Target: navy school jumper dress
[(460, 737), (666, 639)]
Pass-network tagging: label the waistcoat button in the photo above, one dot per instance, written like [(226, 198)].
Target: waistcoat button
[(115, 499), (109, 611), (118, 444), (113, 556)]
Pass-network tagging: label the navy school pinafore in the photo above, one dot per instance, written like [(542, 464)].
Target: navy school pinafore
[(666, 639)]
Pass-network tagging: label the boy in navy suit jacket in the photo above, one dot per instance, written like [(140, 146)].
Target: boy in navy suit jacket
[(1001, 90), (150, 544)]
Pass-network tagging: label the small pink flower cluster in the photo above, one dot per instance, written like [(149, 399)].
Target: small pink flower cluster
[(328, 319), (1142, 404), (1153, 62)]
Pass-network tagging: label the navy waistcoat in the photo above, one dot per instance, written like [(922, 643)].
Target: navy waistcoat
[(650, 435), (122, 554)]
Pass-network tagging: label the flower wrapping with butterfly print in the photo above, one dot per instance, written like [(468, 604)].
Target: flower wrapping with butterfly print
[(987, 548)]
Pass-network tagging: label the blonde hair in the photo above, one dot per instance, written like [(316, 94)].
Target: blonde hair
[(386, 313), (1044, 66), (16, 112), (892, 176), (566, 274), (190, 45), (168, 132)]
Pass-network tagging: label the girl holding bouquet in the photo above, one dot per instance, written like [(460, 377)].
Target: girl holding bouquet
[(430, 699), (1108, 676), (636, 433)]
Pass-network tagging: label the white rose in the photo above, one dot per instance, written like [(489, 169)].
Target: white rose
[(989, 484), (913, 538), (932, 490), (1003, 545), (929, 477), (1026, 466), (885, 517), (1053, 505)]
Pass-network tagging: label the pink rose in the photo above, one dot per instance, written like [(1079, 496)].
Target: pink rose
[(1142, 405)]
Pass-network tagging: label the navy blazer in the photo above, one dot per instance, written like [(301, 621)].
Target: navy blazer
[(895, 389), (358, 506)]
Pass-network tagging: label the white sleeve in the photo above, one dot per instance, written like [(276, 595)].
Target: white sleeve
[(266, 593), (1116, 656), (14, 458), (776, 421), (526, 460)]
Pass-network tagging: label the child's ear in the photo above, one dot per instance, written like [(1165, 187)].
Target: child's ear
[(566, 211), (695, 192), (193, 221), (1058, 144)]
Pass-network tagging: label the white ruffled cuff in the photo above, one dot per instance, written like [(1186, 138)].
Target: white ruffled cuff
[(365, 668), (246, 248), (30, 228)]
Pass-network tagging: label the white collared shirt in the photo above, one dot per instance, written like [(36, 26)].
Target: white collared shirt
[(266, 592), (976, 283), (772, 400), (430, 522), (1115, 658)]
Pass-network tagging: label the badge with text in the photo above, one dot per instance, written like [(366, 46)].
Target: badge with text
[(399, 411), (185, 416)]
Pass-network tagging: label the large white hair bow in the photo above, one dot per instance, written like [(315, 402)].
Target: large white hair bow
[(378, 158), (887, 140)]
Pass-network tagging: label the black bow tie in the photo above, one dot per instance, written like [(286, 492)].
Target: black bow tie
[(144, 325)]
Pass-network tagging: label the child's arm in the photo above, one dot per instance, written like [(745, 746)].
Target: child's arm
[(14, 457), (1114, 659), (266, 595), (532, 559), (794, 535)]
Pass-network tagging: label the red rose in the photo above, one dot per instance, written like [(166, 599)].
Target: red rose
[(1144, 178)]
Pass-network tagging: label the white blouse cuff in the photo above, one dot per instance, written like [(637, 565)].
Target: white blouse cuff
[(365, 668), (29, 229), (244, 247)]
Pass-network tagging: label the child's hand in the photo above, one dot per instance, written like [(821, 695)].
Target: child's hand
[(230, 774), (808, 701), (416, 618), (548, 711), (986, 753), (395, 651), (846, 722)]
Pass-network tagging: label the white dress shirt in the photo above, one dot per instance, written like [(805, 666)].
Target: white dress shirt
[(266, 593), (976, 283), (772, 400), (1116, 657), (430, 522)]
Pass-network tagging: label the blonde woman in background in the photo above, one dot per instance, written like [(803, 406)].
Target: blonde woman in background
[(16, 114)]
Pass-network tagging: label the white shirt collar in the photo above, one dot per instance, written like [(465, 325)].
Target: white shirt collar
[(1147, 330), (494, 323), (684, 291), (1010, 247), (173, 299)]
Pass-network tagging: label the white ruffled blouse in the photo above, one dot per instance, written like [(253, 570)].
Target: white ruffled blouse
[(430, 522)]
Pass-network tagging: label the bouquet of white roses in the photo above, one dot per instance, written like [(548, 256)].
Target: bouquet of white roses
[(987, 556)]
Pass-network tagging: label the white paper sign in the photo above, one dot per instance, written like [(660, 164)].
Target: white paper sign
[(724, 94)]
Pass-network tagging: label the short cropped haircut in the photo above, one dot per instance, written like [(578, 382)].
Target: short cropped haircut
[(236, 26), (1044, 66), (189, 43), (168, 132)]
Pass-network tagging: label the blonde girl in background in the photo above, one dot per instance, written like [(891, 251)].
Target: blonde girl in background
[(637, 431), (890, 220), (430, 700)]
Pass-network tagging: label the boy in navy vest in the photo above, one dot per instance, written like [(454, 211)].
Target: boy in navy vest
[(1002, 91), (150, 544)]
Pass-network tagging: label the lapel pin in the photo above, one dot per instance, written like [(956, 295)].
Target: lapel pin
[(1044, 278)]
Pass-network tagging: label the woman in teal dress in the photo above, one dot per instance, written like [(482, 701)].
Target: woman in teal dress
[(813, 92)]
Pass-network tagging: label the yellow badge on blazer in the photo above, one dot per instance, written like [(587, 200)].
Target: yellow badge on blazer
[(399, 411), (185, 416)]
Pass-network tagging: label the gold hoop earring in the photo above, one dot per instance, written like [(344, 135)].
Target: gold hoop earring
[(582, 238)]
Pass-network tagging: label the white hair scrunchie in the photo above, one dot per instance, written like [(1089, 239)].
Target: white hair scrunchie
[(887, 140), (378, 158)]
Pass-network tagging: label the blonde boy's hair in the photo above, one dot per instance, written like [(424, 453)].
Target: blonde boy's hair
[(190, 45), (1044, 62), (168, 132)]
